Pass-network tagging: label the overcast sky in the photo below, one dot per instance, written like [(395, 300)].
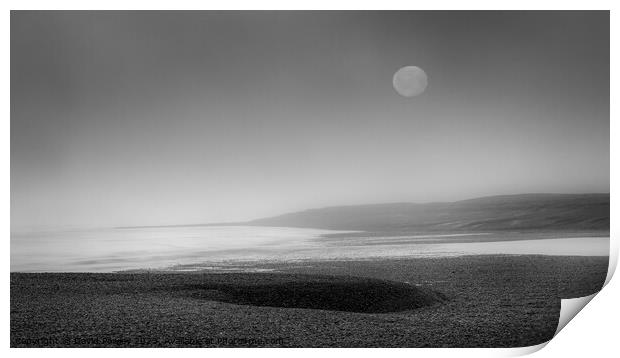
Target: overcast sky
[(175, 117)]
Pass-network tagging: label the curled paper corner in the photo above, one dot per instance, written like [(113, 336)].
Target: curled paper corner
[(613, 259), (523, 351), (569, 309), (572, 306)]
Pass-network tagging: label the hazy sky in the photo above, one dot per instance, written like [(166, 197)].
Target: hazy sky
[(182, 117)]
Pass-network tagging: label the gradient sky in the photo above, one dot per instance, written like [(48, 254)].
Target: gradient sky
[(135, 118)]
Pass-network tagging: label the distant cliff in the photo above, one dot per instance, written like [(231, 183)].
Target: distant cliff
[(509, 212)]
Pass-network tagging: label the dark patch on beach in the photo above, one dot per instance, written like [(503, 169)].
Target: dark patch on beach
[(350, 294)]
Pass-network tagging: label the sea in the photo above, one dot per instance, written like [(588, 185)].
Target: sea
[(204, 247)]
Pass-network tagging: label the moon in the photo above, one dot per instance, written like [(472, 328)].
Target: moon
[(410, 81)]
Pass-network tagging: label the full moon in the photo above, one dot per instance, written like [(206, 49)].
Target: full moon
[(410, 81)]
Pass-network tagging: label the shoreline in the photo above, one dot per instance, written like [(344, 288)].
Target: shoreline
[(322, 249), (215, 266)]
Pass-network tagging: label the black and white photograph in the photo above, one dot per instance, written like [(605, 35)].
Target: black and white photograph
[(306, 178)]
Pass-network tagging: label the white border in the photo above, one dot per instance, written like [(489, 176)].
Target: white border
[(594, 330), (311, 5)]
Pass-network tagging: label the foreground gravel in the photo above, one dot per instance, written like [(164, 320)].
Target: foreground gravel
[(473, 301)]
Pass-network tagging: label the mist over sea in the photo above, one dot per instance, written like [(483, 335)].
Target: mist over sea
[(106, 250)]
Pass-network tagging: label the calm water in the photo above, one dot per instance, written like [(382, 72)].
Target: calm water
[(122, 249)]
